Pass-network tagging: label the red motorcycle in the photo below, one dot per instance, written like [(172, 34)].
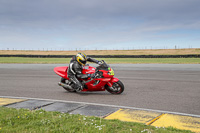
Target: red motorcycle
[(104, 79)]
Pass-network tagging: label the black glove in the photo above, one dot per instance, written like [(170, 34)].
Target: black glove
[(99, 63), (91, 75)]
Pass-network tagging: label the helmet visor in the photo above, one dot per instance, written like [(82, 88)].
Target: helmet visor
[(83, 61)]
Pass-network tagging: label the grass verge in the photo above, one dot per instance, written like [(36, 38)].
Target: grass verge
[(22, 120), (22, 60)]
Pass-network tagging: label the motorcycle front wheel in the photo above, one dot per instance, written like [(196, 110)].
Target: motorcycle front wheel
[(117, 88), (65, 81)]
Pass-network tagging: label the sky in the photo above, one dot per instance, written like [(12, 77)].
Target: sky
[(99, 24)]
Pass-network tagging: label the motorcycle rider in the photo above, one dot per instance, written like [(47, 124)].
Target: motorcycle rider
[(75, 69)]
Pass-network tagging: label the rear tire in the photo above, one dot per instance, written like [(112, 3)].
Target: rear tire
[(118, 88), (63, 80)]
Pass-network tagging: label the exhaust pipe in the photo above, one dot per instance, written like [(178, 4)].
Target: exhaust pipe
[(65, 85)]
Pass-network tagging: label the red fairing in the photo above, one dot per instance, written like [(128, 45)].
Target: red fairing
[(112, 81), (88, 70), (101, 81), (61, 71), (92, 87)]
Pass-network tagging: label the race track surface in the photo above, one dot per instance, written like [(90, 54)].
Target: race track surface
[(167, 87)]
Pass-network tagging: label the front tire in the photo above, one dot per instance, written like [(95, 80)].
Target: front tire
[(63, 80), (117, 88)]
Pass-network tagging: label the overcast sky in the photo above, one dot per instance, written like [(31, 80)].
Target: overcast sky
[(99, 24)]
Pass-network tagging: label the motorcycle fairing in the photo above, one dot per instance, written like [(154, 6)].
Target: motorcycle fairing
[(92, 86), (101, 84), (88, 70), (108, 78)]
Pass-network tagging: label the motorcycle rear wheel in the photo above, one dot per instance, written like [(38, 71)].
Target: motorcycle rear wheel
[(117, 88), (63, 80)]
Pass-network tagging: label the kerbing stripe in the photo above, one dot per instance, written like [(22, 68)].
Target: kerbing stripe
[(155, 119)]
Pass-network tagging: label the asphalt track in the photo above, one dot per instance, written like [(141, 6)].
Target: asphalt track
[(170, 87)]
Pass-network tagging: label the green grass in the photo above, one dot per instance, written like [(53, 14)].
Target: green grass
[(22, 60), (40, 121)]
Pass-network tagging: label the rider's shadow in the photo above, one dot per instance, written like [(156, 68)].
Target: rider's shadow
[(87, 93)]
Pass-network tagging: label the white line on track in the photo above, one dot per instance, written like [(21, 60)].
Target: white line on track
[(114, 106)]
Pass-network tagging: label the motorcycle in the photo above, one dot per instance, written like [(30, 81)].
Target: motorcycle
[(103, 80)]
